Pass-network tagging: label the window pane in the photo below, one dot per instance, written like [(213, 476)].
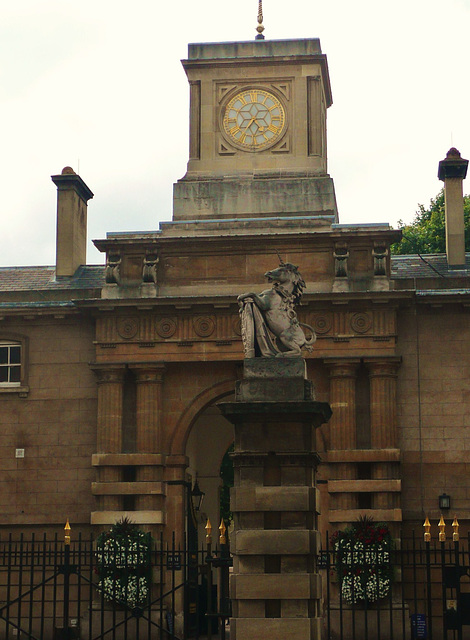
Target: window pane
[(15, 374), (15, 355), (3, 355), (3, 374)]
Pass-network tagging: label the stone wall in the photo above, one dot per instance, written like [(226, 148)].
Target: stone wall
[(54, 422), (433, 411)]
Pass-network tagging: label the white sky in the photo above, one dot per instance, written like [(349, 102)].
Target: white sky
[(98, 85)]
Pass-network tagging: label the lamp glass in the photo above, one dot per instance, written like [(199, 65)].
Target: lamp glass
[(444, 501)]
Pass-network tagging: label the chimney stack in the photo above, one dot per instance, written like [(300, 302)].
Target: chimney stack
[(72, 197), (452, 171)]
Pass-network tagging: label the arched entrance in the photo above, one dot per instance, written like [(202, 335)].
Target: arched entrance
[(210, 437)]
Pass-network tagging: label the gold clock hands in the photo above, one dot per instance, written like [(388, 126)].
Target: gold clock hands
[(245, 132)]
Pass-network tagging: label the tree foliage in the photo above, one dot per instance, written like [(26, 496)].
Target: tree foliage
[(426, 234)]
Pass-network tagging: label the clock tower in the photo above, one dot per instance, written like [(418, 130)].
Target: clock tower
[(257, 132)]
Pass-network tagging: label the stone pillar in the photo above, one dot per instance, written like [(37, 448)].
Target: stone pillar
[(343, 373), (383, 423), (149, 380), (109, 426), (275, 585)]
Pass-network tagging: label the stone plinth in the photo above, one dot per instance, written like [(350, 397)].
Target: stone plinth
[(275, 586)]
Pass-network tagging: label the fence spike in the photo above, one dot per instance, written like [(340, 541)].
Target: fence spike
[(208, 529), (67, 530), (222, 529), (455, 527), (442, 530), (427, 530)]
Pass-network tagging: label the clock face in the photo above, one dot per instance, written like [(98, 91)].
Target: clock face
[(254, 119)]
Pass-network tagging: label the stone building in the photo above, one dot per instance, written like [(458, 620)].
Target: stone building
[(110, 375)]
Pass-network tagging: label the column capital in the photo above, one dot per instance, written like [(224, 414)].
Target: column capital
[(342, 367), (148, 372), (383, 367), (108, 372)]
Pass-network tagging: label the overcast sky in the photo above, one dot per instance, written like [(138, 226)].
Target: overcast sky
[(98, 85)]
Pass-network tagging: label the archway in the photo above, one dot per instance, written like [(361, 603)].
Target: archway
[(210, 437)]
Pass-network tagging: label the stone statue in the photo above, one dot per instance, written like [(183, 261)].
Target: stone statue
[(270, 327)]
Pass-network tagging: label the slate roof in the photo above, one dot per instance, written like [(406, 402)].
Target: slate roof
[(413, 266), (44, 278)]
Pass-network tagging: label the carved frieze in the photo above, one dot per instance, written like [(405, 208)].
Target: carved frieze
[(204, 326), (361, 322), (322, 323), (166, 327), (128, 327), (224, 325)]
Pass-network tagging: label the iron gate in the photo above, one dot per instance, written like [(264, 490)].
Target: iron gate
[(429, 597), (51, 591)]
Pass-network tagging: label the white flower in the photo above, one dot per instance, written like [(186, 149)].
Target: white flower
[(133, 592)]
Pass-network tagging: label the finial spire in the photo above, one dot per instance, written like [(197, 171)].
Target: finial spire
[(260, 27)]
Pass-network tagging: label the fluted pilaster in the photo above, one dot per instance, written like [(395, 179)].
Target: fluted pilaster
[(343, 374), (109, 424), (149, 382), (383, 422)]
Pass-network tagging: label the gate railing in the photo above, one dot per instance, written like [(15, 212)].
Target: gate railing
[(50, 590), (429, 596)]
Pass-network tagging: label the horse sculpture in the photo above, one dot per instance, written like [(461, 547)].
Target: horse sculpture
[(272, 312)]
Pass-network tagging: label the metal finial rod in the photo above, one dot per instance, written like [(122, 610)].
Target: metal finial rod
[(442, 530), (208, 529), (427, 530), (260, 27), (222, 529), (67, 530)]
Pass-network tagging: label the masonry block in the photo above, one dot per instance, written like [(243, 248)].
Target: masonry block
[(275, 542)]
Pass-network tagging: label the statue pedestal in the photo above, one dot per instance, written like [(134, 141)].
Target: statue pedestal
[(275, 586)]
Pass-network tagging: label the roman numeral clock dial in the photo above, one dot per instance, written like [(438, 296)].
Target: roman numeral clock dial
[(254, 120)]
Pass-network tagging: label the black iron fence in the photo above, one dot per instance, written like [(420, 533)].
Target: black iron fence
[(417, 590), (54, 591)]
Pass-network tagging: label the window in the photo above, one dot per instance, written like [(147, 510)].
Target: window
[(10, 363)]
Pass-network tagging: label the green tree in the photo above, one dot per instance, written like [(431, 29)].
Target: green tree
[(426, 234)]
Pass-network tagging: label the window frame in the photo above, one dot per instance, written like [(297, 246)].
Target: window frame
[(13, 340)]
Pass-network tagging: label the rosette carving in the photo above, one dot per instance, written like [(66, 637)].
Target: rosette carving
[(166, 327), (127, 328), (361, 322), (204, 326), (322, 324)]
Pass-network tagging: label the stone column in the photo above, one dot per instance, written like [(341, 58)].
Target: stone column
[(149, 380), (109, 426), (383, 423), (343, 373), (275, 586)]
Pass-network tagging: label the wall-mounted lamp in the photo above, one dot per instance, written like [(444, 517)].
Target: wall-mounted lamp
[(444, 502), (197, 496)]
